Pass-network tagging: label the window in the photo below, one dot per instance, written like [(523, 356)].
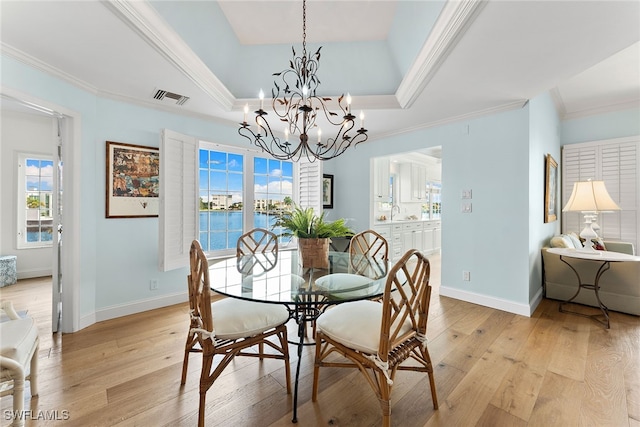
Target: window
[(35, 201), (225, 210), (212, 193), (221, 202), (272, 189), (616, 163)]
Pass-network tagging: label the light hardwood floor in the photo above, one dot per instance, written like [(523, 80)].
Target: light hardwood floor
[(492, 369)]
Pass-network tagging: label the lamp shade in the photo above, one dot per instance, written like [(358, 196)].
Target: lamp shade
[(590, 196)]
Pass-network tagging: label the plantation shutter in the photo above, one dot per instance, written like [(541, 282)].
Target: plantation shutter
[(616, 163), (178, 216), (310, 184)]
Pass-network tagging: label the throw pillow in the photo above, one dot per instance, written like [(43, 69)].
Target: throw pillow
[(598, 243), (561, 241), (575, 239)]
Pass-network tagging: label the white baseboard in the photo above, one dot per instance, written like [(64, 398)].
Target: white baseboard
[(34, 273), (493, 302), (115, 311)]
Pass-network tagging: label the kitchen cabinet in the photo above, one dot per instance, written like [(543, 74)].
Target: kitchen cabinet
[(424, 236), (381, 179), (437, 238), (396, 248), (432, 236), (412, 236), (428, 239), (418, 182), (413, 182)]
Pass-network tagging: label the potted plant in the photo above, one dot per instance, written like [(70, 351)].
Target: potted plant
[(313, 232)]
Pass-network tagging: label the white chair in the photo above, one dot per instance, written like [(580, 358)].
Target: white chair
[(19, 345), (228, 328), (377, 338)]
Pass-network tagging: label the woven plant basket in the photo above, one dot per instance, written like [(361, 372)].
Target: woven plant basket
[(315, 252)]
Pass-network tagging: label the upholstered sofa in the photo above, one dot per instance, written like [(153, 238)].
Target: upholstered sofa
[(619, 286)]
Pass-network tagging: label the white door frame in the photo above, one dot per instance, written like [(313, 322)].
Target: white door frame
[(70, 260)]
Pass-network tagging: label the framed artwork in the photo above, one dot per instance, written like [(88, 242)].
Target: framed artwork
[(551, 190), (327, 191), (132, 181)]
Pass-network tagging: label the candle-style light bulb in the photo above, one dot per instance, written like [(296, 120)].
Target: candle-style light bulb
[(362, 119), (261, 96), (246, 111), (259, 124), (286, 134), (319, 134), (348, 102), (305, 92)]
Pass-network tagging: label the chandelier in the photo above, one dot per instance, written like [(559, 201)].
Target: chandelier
[(296, 104)]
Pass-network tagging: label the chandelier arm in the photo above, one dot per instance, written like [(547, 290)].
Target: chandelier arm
[(269, 143), (331, 117), (339, 144)]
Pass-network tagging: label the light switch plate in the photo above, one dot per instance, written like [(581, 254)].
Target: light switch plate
[(466, 194)]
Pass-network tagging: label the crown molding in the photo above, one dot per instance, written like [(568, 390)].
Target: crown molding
[(593, 111), (142, 18), (45, 68), (468, 116), (611, 108), (454, 20)]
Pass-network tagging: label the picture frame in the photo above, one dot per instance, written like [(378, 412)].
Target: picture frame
[(551, 189), (327, 191), (132, 180)]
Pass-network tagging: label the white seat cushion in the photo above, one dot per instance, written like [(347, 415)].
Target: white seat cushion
[(346, 286), (234, 318), (355, 325), (18, 339)]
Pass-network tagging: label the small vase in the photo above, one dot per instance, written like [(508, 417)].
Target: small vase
[(314, 252)]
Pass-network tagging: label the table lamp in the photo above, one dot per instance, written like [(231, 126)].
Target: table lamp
[(590, 198)]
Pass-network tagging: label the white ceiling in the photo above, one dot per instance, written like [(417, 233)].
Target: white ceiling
[(478, 58)]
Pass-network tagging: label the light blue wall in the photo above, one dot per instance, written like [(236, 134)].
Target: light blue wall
[(118, 257), (411, 26), (605, 126), (488, 155), (17, 76), (131, 245), (544, 138)]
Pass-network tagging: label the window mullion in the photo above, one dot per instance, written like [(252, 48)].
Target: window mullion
[(248, 196)]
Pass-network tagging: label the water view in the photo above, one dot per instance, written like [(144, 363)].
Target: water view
[(226, 227)]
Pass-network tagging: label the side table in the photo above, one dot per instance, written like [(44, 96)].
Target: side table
[(604, 257)]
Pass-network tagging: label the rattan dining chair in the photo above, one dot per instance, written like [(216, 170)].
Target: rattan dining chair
[(377, 338), (368, 254), (228, 328), (258, 240)]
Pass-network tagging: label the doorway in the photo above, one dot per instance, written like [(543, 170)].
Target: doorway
[(406, 200), (64, 135)]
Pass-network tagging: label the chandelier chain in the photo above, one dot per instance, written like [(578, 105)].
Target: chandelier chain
[(304, 28)]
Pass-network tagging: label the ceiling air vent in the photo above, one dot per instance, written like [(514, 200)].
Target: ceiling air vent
[(162, 94)]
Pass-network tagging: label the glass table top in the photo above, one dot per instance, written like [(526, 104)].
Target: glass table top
[(282, 279)]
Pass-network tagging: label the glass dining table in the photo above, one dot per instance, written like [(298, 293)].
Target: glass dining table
[(306, 292)]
